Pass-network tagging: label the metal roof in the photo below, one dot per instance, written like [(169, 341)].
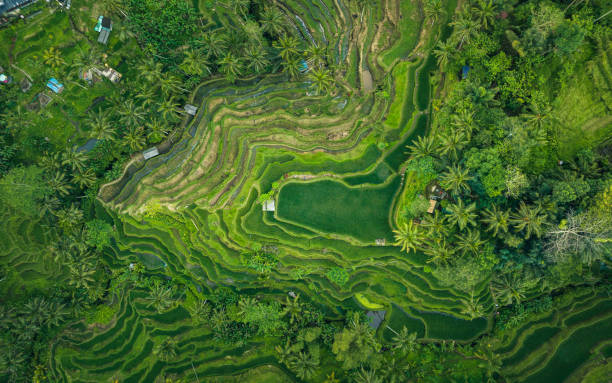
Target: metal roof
[(9, 5), (103, 38)]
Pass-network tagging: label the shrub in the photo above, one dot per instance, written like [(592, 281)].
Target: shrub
[(337, 275)]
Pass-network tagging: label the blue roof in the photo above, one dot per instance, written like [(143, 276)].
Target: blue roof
[(464, 71), (54, 85)]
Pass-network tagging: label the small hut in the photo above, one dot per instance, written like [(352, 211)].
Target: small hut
[(190, 109), (150, 153), (269, 205), (432, 206)]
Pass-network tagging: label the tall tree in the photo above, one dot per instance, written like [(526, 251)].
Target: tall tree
[(287, 46), (408, 236), (444, 52), (530, 219), (231, 66), (456, 179), (321, 79), (423, 146), (273, 21), (462, 215), (434, 10), (497, 220)]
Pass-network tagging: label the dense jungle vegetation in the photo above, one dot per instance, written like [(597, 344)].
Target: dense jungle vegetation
[(369, 191)]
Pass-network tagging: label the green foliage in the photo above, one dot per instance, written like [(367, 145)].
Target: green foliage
[(102, 314), (99, 233), (261, 261), (337, 275), (487, 164), (23, 189)]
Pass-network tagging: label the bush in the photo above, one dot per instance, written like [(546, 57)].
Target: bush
[(337, 275)]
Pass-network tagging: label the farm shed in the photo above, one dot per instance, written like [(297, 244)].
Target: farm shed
[(269, 205), (150, 153), (190, 109)]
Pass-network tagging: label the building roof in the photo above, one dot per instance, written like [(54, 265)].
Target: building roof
[(376, 318), (103, 38), (9, 5), (432, 206), (106, 23), (190, 109), (269, 205), (150, 153)]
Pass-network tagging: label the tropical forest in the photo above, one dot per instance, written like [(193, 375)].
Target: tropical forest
[(318, 191)]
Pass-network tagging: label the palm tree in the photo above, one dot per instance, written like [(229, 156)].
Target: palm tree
[(444, 52), (59, 184), (256, 58), (462, 215), (146, 95), (366, 376), (404, 341), (287, 46), (134, 139), (293, 309), (156, 131), (451, 144), (315, 55), (273, 21), (150, 71), (497, 220), (51, 162), (160, 297), (81, 276), (84, 178), (439, 252), (170, 83), (484, 11), (435, 224), (215, 43), (69, 218), (456, 180), (408, 236), (100, 125), (166, 350), (472, 308), (231, 66), (130, 114), (200, 311), (464, 28), (423, 146), (539, 117), (511, 287), (284, 353), (292, 67), (464, 120), (253, 32), (304, 365), (52, 57), (491, 361), (49, 204), (331, 378), (470, 242), (321, 80), (75, 159), (529, 218), (114, 7), (194, 64), (434, 9), (168, 109)]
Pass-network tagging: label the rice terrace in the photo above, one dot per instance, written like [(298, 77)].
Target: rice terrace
[(306, 191)]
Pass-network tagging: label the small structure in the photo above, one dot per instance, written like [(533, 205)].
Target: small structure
[(464, 72), (432, 206), (380, 242), (104, 26), (269, 205), (150, 153), (55, 85), (190, 109), (7, 6), (25, 85), (109, 73), (5, 79), (303, 66), (376, 318)]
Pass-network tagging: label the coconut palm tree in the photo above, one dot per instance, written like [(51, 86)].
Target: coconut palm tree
[(150, 71), (321, 79), (160, 297), (435, 224), (166, 350), (69, 218), (439, 252), (484, 12), (366, 376), (539, 117), (464, 28), (74, 159), (331, 378), (52, 57), (81, 276), (134, 139), (256, 59), (293, 308), (58, 184), (497, 220), (315, 55), (451, 144), (472, 308), (444, 52), (408, 236), (423, 146), (253, 32), (434, 10), (195, 64), (287, 46), (51, 162), (170, 83), (456, 179), (530, 219), (470, 243), (284, 353), (404, 341), (200, 311), (491, 362), (273, 21), (231, 66), (100, 125), (156, 130), (464, 120), (214, 42), (131, 114), (304, 365), (84, 178), (49, 204), (462, 215), (168, 110), (511, 287), (146, 95), (292, 67)]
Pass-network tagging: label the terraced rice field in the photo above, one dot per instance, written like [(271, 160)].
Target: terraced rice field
[(337, 163)]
